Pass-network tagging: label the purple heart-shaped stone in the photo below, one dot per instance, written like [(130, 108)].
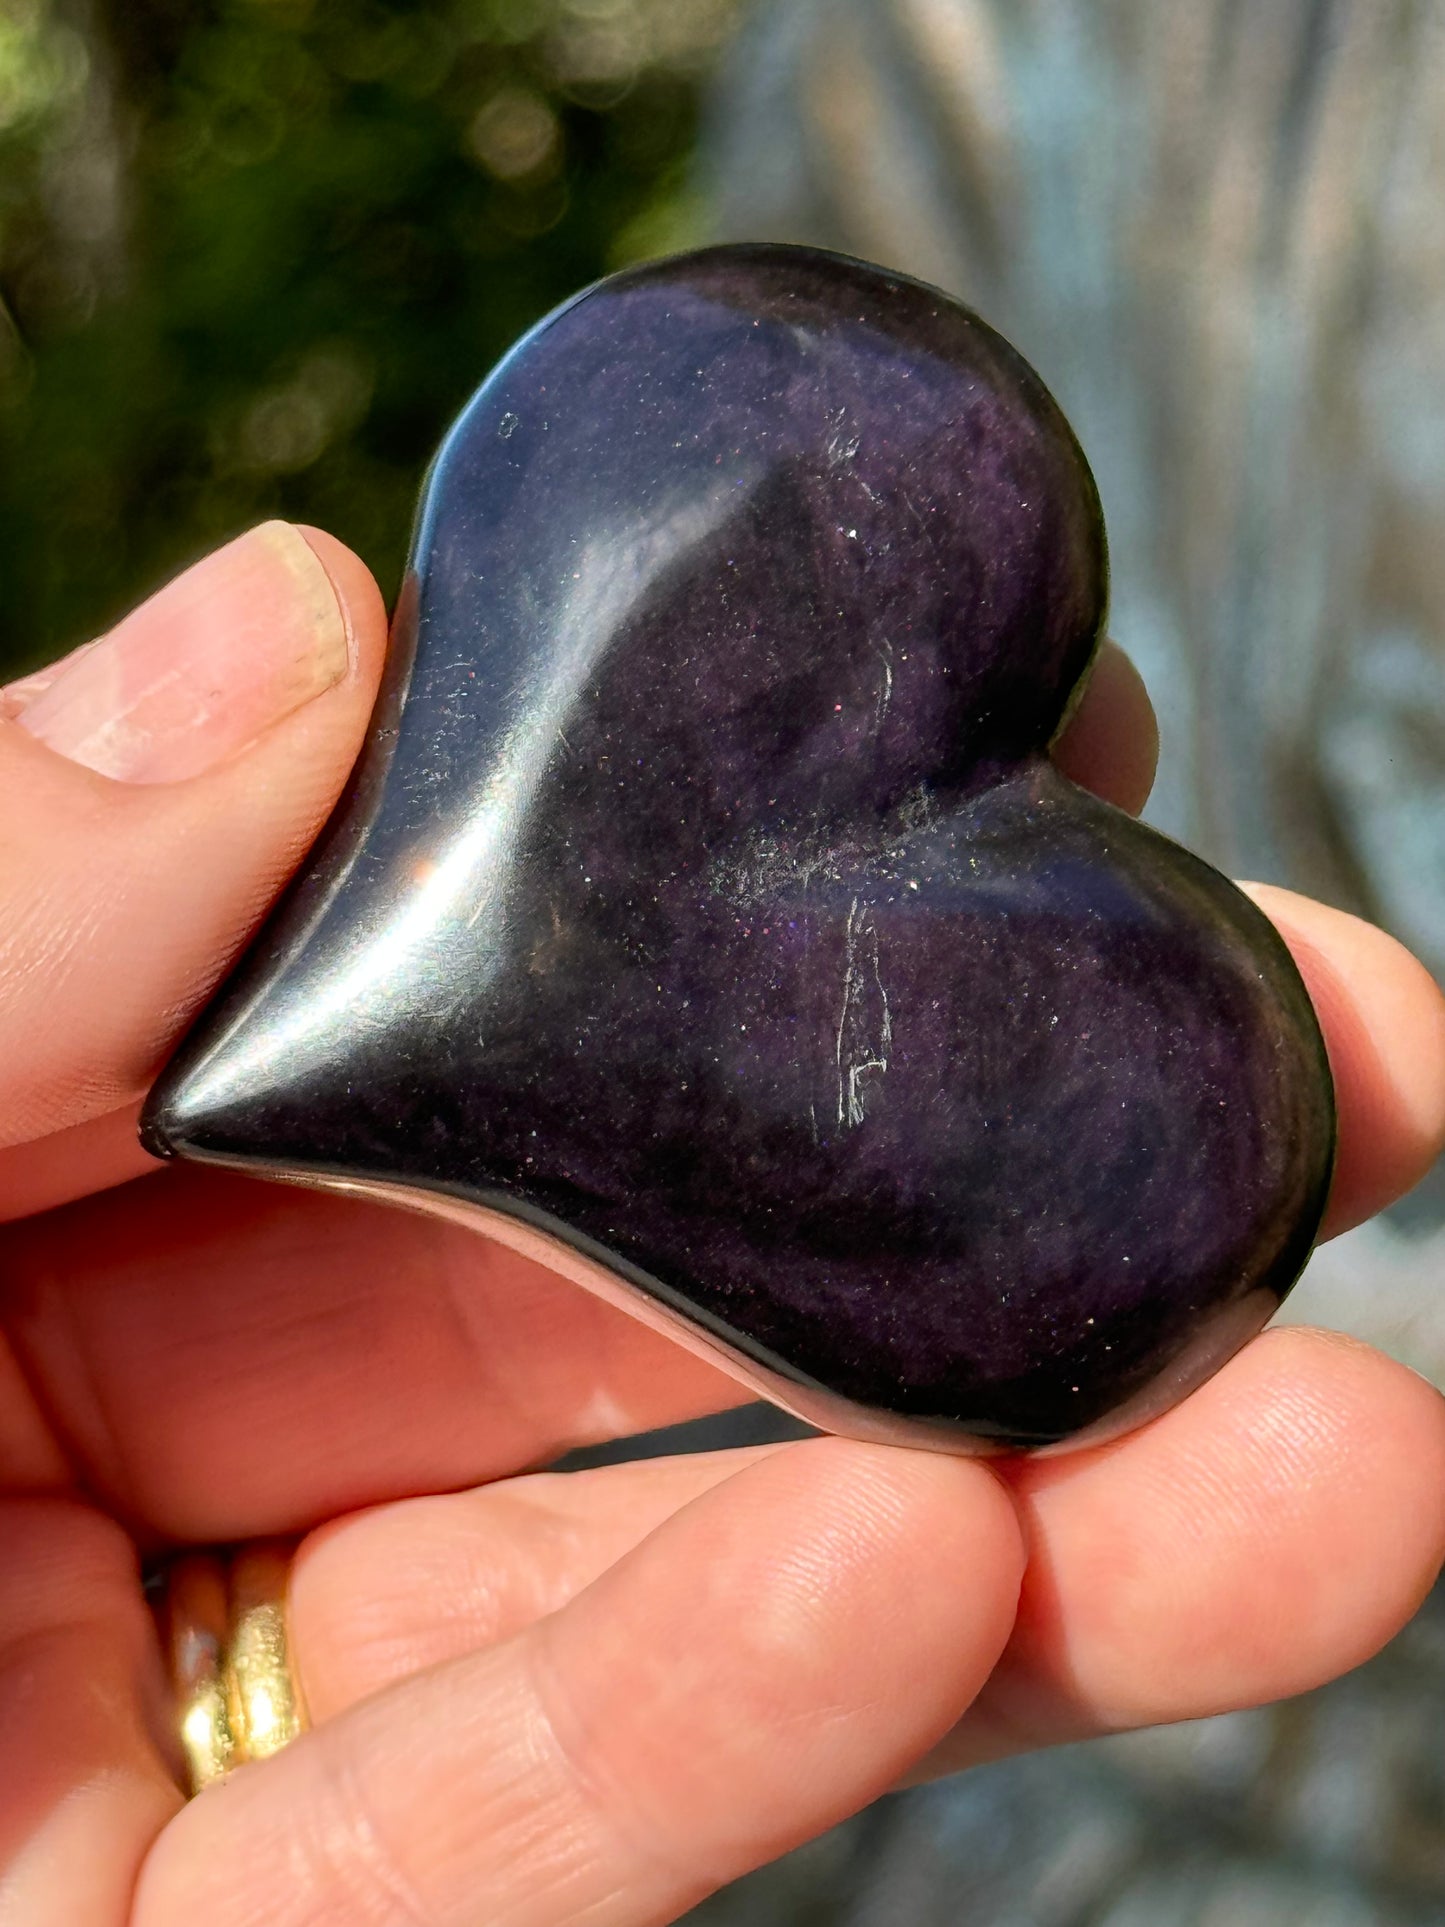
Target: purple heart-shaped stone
[(705, 909)]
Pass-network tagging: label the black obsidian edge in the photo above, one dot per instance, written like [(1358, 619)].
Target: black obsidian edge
[(705, 900)]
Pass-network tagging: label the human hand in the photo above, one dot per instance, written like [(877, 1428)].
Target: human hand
[(547, 1698)]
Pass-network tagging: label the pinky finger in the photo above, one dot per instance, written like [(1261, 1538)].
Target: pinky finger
[(765, 1663)]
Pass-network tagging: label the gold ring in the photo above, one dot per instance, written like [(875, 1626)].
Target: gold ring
[(223, 1620)]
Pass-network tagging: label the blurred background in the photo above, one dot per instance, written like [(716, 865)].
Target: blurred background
[(255, 253)]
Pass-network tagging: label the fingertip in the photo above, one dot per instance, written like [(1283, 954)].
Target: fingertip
[(1270, 1533), (845, 1605), (876, 1511), (1383, 1018), (1336, 1455), (834, 1539), (1110, 742)]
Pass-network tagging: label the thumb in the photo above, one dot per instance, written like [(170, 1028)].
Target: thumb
[(157, 788)]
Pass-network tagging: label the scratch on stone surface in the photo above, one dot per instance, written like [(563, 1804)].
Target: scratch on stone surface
[(865, 1023), (842, 443), (885, 694), (768, 868)]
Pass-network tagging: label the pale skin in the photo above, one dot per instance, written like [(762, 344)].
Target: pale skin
[(546, 1699)]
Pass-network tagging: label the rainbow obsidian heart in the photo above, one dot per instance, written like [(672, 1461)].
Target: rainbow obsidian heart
[(705, 906)]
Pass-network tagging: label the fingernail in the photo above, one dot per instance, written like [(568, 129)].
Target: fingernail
[(211, 662)]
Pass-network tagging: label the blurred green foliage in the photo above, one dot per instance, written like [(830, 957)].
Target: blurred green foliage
[(255, 253)]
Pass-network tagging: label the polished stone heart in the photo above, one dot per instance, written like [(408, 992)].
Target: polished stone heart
[(706, 912)]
